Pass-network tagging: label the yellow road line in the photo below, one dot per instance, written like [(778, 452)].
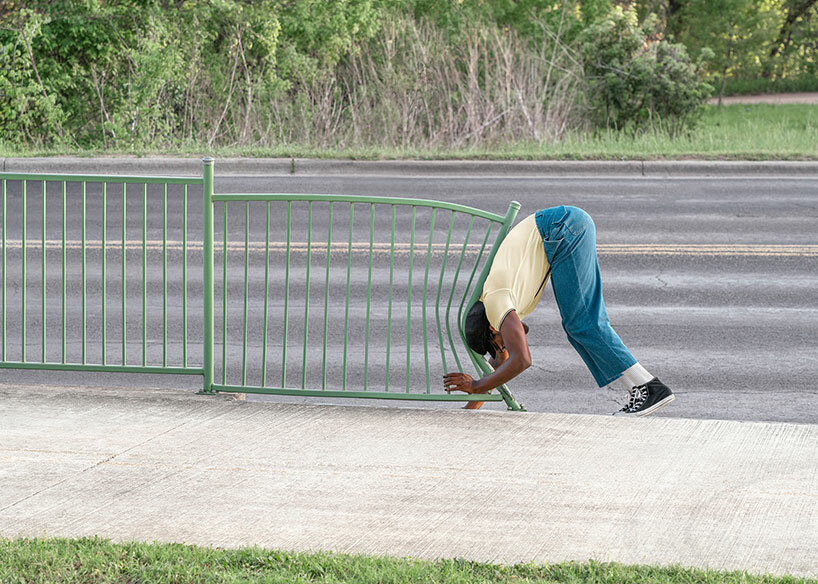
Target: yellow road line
[(693, 249), (621, 249)]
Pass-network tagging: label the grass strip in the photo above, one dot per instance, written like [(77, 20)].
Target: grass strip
[(758, 85), (732, 132), (101, 561)]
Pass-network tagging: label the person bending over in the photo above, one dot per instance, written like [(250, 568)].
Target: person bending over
[(560, 243)]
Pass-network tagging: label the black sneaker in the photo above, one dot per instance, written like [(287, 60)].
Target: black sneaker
[(646, 399)]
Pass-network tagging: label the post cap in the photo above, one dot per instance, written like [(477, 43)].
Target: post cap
[(207, 160)]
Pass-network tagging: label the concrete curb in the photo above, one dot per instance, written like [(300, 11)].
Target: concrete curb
[(315, 167)]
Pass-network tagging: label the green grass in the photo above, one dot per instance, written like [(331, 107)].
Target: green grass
[(734, 132), (101, 561), (804, 83)]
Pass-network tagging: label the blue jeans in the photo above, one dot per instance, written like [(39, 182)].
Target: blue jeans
[(569, 237)]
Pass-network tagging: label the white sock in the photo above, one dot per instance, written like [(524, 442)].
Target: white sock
[(635, 375)]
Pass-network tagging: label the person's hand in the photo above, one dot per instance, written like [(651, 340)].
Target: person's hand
[(463, 382), (459, 382)]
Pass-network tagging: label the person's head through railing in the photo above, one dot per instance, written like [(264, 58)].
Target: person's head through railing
[(483, 338)]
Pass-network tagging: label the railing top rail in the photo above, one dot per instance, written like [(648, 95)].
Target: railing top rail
[(362, 199), (99, 178)]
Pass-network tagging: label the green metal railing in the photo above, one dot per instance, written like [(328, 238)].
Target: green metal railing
[(316, 295), (76, 225)]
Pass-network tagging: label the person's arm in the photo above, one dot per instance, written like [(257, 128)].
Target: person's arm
[(519, 359)]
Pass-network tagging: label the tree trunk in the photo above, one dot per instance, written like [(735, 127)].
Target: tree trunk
[(673, 18), (723, 82), (724, 70)]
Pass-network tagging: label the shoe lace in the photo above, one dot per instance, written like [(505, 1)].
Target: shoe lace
[(636, 398)]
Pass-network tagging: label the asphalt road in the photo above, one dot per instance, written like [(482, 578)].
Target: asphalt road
[(724, 313)]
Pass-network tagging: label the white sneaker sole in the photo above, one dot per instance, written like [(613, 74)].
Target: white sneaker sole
[(657, 406)]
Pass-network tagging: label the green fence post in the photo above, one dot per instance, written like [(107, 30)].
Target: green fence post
[(207, 246)]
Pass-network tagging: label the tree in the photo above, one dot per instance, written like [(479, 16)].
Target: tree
[(733, 29), (798, 12)]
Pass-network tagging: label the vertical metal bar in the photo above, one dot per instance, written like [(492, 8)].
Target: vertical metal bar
[(286, 299), (451, 293), (64, 289), (440, 289), (473, 272), (207, 274), (246, 291), (475, 295), (184, 278), (409, 297), (224, 299), (266, 297), (326, 300), (3, 308), (144, 275), (425, 287), (165, 275), (389, 311), (369, 292), (42, 234), (346, 309), (306, 297), (84, 304), (124, 288), (23, 273), (104, 270)]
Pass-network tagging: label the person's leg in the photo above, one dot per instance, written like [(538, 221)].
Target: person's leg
[(635, 375), (569, 237)]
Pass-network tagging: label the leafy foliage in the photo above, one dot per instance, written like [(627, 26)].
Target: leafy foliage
[(759, 44), (130, 72), (635, 79), (27, 110), (126, 74)]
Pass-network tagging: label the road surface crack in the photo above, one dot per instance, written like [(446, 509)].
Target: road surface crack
[(661, 281)]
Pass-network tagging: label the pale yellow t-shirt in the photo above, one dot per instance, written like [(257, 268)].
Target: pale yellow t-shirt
[(518, 274)]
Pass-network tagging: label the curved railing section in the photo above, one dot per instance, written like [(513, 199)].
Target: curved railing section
[(348, 296)]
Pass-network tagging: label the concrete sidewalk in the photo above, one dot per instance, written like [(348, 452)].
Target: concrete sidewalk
[(488, 486)]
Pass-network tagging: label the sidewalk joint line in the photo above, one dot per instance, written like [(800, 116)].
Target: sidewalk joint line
[(93, 466)]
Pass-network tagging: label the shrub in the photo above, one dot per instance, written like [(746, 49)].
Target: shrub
[(411, 86), (637, 81), (28, 112)]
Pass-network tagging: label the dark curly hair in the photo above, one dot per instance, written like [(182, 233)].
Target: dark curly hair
[(478, 333)]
